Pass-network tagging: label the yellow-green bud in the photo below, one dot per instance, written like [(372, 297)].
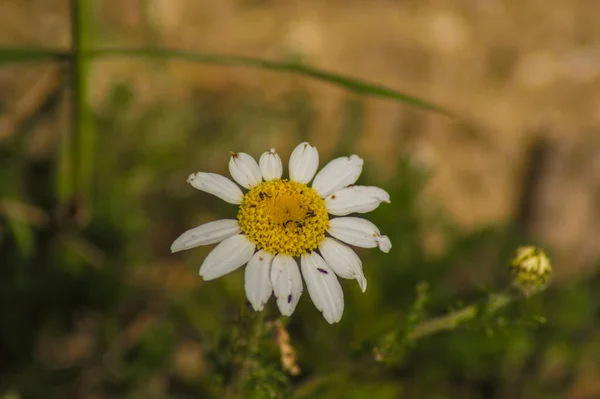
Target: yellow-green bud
[(531, 269)]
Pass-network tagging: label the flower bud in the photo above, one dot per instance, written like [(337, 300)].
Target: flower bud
[(531, 269)]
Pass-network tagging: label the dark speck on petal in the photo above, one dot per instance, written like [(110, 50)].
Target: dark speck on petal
[(322, 270), (289, 299)]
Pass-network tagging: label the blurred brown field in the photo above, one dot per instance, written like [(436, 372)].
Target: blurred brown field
[(515, 72)]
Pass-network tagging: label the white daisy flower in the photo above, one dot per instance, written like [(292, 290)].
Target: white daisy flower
[(281, 221)]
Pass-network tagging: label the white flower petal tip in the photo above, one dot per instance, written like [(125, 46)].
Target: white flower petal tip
[(343, 260), (270, 165), (362, 283), (258, 279), (384, 244), (355, 199), (304, 162), (206, 234), (287, 283), (217, 185), (358, 232), (229, 255), (323, 287), (338, 173), (244, 170)]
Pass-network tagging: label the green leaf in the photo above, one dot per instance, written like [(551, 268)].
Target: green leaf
[(16, 54)]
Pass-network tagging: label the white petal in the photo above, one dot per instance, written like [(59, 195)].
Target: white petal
[(244, 170), (355, 199), (287, 283), (384, 243), (358, 232), (230, 254), (323, 287), (258, 279), (206, 234), (343, 260), (304, 162), (339, 173), (217, 185), (270, 165)]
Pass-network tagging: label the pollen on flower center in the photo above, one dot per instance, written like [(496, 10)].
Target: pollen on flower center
[(282, 216)]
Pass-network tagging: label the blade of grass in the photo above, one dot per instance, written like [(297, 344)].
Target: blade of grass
[(23, 236), (10, 55), (11, 188), (65, 186), (20, 212), (83, 125), (31, 103), (352, 84)]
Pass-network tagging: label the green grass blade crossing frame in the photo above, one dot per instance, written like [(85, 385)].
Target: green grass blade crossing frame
[(11, 55)]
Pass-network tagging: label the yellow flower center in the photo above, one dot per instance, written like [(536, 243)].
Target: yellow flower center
[(282, 216)]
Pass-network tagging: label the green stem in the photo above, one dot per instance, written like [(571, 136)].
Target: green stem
[(450, 321), (255, 333), (392, 345), (82, 124)]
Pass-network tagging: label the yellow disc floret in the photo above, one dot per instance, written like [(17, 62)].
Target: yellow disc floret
[(282, 216)]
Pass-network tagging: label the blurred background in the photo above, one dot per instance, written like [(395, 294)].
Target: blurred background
[(93, 192)]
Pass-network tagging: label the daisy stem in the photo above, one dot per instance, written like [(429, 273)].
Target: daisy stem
[(255, 332)]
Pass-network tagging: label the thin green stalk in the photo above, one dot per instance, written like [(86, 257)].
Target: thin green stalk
[(392, 346), (452, 320), (65, 162), (84, 135)]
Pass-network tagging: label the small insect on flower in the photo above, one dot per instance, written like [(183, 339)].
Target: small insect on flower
[(531, 268), (282, 220)]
